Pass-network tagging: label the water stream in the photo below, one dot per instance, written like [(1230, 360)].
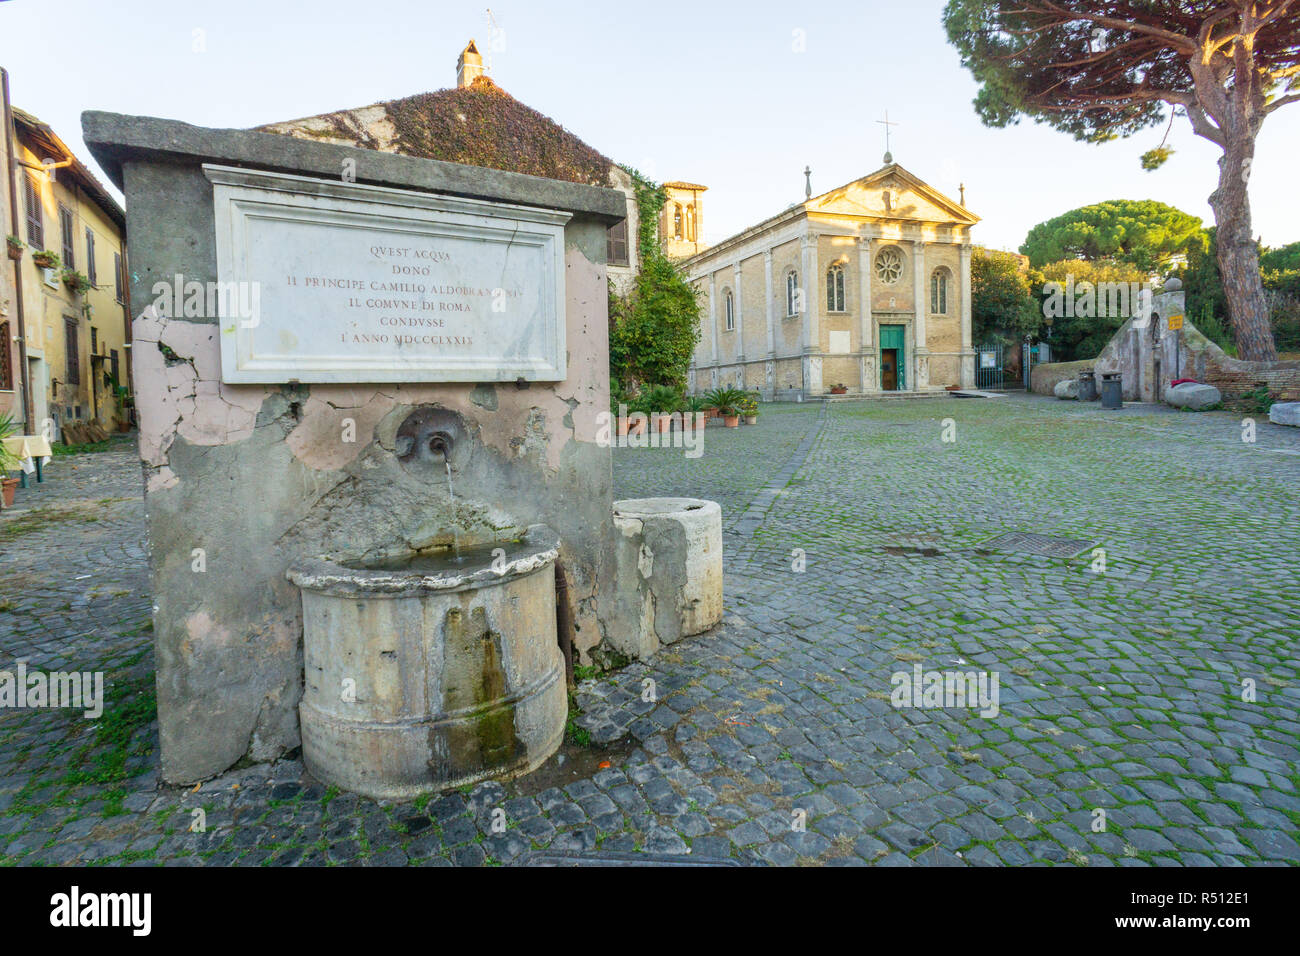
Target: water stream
[(451, 493)]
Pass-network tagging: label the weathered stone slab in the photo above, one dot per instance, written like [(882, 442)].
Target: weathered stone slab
[(1193, 396), (346, 283), (1285, 413), (1067, 389)]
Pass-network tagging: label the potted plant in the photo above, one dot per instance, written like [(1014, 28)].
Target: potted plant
[(749, 410), (636, 423), (727, 400), (15, 247), (840, 389), (690, 408), (76, 281), (46, 259), (8, 461), (663, 399)]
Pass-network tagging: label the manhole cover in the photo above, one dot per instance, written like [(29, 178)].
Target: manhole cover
[(617, 858), (1027, 542)]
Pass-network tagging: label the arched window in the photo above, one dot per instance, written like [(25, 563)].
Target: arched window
[(939, 291), (792, 302), (690, 223), (889, 265), (730, 308), (677, 220), (835, 288)]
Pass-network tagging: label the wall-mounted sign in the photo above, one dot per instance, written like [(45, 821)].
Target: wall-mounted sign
[(1175, 323), (988, 359), (342, 282)]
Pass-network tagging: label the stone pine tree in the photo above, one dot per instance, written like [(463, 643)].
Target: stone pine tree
[(1102, 69)]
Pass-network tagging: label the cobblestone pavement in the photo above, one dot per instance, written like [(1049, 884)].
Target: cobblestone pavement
[(1147, 712)]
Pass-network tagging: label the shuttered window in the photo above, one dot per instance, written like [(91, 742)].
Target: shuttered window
[(90, 256), (118, 280), (6, 360), (65, 230), (35, 221), (616, 244), (71, 353)]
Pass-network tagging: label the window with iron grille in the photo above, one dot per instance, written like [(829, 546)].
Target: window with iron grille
[(616, 244), (35, 220), (90, 257), (65, 229), (71, 354), (94, 340)]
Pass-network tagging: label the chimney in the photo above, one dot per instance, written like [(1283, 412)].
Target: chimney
[(469, 67)]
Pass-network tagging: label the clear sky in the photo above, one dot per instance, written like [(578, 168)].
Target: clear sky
[(739, 96)]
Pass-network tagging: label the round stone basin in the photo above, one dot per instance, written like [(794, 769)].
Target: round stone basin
[(428, 671)]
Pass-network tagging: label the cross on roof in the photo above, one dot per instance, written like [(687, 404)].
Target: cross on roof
[(886, 122)]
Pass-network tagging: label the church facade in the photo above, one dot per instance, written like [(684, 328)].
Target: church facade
[(866, 287)]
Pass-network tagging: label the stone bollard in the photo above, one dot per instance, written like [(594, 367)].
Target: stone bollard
[(668, 571)]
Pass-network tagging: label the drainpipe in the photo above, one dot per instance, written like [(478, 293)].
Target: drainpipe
[(18, 263)]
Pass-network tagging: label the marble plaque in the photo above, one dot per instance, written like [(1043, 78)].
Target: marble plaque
[(326, 281)]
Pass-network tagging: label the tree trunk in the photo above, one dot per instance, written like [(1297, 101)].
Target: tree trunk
[(1239, 256)]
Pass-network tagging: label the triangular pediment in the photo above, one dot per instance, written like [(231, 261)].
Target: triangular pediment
[(891, 192)]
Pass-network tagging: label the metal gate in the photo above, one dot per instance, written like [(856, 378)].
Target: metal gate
[(988, 367)]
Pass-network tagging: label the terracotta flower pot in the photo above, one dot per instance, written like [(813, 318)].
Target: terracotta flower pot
[(10, 485), (731, 421), (839, 391), (664, 424), (711, 412), (621, 424), (15, 252), (41, 262)]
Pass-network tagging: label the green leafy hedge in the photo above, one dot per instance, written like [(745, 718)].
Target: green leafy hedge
[(654, 328)]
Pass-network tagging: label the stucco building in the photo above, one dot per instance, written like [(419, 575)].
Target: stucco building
[(75, 351), (865, 286)]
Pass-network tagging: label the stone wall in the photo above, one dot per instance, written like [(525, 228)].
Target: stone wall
[(251, 477), (1043, 378)]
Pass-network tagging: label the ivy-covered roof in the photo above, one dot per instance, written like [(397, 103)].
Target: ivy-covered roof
[(477, 125)]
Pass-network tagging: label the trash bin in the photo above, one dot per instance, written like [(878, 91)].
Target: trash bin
[(1112, 390), (1087, 386)]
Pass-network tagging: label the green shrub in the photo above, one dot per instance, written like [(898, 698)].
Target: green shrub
[(727, 400)]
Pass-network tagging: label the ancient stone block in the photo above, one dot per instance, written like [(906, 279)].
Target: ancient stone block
[(1193, 396), (1285, 413)]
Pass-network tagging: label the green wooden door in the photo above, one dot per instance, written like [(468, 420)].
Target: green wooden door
[(891, 341)]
